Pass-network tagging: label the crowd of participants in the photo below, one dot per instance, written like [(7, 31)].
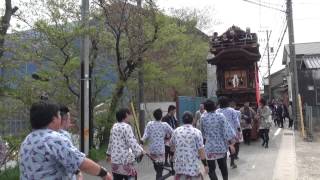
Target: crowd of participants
[(281, 112), (48, 153)]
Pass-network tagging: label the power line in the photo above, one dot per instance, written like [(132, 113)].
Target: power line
[(271, 3), (284, 32), (263, 5), (307, 18), (281, 26), (284, 24)]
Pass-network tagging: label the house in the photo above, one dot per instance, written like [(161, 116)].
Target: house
[(308, 71), (279, 86)]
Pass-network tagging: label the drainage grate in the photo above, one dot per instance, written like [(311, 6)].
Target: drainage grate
[(288, 134)]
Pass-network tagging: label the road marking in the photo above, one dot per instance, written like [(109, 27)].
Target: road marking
[(276, 133)]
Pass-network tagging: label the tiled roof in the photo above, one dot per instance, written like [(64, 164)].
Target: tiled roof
[(305, 48), (312, 48)]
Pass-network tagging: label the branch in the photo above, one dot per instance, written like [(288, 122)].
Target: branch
[(93, 52), (46, 57), (117, 35), (123, 15), (66, 55), (93, 56), (144, 46), (147, 44), (5, 19), (131, 46), (98, 89), (66, 77), (66, 60), (5, 23), (129, 70), (108, 19), (118, 56), (19, 17)]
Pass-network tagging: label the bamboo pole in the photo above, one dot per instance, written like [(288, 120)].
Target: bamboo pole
[(136, 123), (301, 116)]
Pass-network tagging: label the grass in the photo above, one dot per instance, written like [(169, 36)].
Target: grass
[(98, 154), (10, 174)]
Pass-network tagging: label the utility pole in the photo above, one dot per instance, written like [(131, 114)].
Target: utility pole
[(141, 76), (84, 94), (293, 63), (269, 74), (292, 52)]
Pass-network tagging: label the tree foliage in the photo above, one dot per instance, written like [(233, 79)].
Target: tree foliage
[(122, 36), (176, 63), (133, 30)]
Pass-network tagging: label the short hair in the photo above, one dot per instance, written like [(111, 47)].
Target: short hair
[(223, 102), (122, 114), (42, 114), (157, 114), (201, 105), (64, 110), (262, 101), (209, 105), (187, 117), (171, 108)]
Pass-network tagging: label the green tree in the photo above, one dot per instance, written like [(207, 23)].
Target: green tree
[(5, 20), (130, 43), (176, 62), (54, 46), (5, 23)]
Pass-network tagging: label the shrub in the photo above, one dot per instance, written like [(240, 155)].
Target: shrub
[(98, 154)]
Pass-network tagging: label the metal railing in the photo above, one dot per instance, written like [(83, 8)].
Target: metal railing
[(309, 122), (13, 127), (312, 121)]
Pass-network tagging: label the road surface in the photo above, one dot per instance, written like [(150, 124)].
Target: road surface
[(255, 162)]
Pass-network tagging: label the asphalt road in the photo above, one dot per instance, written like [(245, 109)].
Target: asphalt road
[(255, 162)]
